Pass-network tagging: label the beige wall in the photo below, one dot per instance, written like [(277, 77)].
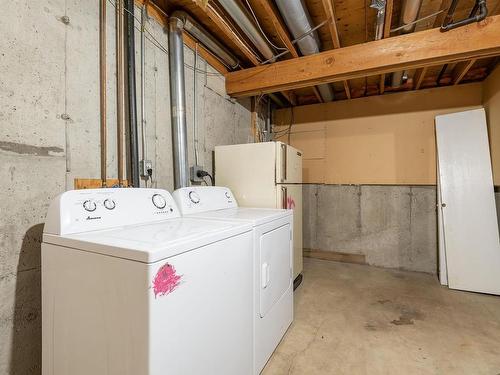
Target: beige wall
[(491, 102), (375, 140)]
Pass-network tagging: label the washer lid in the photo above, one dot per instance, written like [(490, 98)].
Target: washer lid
[(256, 216), (151, 242)]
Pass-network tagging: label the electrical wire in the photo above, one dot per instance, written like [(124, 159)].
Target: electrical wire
[(417, 21), (296, 41), (262, 31)]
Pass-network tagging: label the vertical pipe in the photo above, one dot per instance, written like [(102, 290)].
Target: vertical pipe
[(132, 103), (102, 88), (178, 102), (120, 115), (143, 83), (195, 124)]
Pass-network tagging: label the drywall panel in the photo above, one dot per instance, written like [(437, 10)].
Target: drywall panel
[(385, 139), (491, 102)]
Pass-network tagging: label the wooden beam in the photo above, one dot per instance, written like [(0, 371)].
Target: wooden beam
[(409, 51), (418, 77), (334, 33), (227, 30), (445, 4), (161, 17), (389, 6), (461, 70), (317, 94), (381, 85), (290, 96), (278, 25)]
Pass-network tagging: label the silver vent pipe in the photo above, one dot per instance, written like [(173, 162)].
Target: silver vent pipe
[(299, 22), (179, 22), (200, 34), (178, 102), (409, 14), (238, 14)]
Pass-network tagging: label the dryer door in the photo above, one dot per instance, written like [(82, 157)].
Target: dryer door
[(275, 266)]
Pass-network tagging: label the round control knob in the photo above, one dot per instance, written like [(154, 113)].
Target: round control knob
[(89, 206), (228, 196), (159, 201), (194, 197), (109, 204)]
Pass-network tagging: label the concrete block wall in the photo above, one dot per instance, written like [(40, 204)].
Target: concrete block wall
[(393, 226), (49, 135)]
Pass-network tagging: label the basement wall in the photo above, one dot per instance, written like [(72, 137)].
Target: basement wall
[(49, 135), (370, 174)]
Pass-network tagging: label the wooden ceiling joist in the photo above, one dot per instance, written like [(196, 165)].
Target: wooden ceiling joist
[(332, 24), (418, 77), (409, 51), (461, 70), (227, 30), (161, 17), (278, 25)]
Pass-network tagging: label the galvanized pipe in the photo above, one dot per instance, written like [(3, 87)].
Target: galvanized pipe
[(131, 91), (409, 14), (102, 89), (178, 102), (236, 12), (199, 33), (120, 90), (299, 22)]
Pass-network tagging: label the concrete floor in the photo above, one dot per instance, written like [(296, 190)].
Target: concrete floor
[(355, 319)]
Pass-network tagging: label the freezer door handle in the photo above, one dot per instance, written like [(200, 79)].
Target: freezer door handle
[(265, 275), (283, 162), (284, 197)]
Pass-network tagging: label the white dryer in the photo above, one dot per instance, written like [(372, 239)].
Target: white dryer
[(129, 287), (272, 259)]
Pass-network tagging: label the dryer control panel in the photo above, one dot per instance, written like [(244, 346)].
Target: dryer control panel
[(197, 199), (78, 211)]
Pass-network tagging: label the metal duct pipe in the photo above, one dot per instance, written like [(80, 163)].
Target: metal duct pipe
[(178, 102), (199, 33), (131, 91), (299, 22), (379, 5), (102, 89), (234, 10), (409, 13)]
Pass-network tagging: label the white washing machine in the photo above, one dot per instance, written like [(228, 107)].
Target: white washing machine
[(131, 288), (272, 259)]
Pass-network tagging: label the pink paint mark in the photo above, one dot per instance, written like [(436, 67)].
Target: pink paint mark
[(166, 280), (290, 203)]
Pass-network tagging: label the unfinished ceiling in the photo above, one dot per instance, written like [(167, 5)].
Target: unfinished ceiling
[(355, 23)]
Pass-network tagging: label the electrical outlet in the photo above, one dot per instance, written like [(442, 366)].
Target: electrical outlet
[(193, 173), (145, 166)]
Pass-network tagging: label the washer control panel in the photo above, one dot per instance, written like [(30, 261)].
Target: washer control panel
[(79, 211), (197, 199)]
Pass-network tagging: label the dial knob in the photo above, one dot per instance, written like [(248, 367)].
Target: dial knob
[(109, 204), (89, 205), (228, 196), (194, 197), (159, 201)]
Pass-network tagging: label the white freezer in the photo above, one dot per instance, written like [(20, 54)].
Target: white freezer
[(166, 295), (266, 174)]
